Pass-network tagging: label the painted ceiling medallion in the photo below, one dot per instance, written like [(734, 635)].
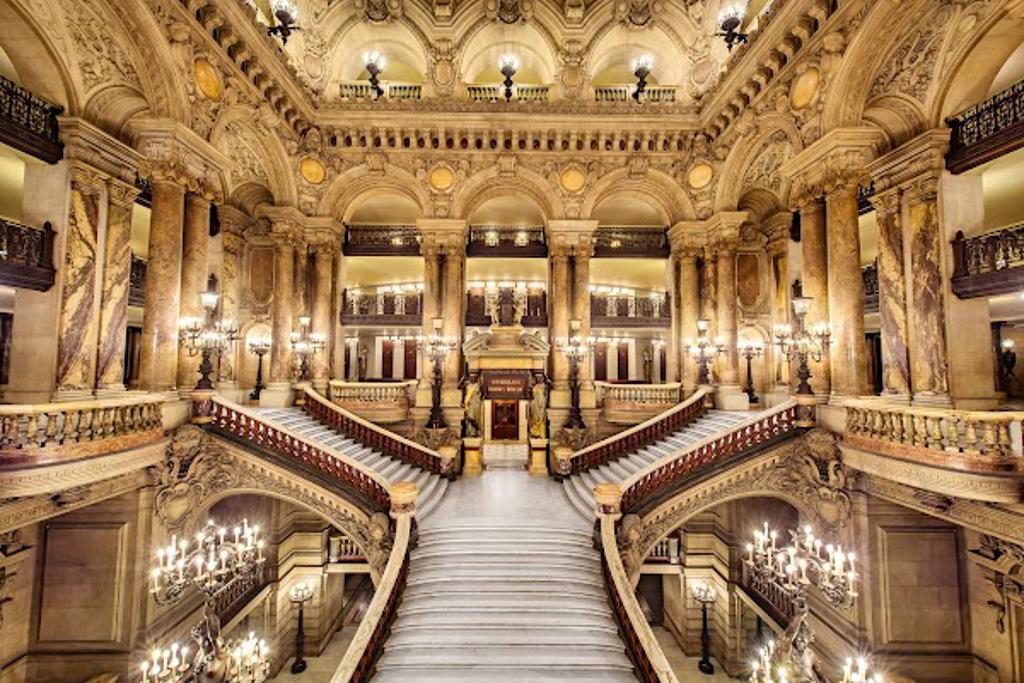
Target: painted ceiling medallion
[(313, 171), (207, 80), (701, 176), (573, 179), (805, 88), (441, 178)]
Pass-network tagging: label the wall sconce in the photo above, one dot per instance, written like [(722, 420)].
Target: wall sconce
[(642, 66)]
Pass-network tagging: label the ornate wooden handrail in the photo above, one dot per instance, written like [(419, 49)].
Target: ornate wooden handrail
[(251, 428), (976, 441), (26, 256), (987, 130), (45, 433), (370, 435), (645, 433), (649, 662), (29, 123), (367, 645), (658, 481), (988, 264)]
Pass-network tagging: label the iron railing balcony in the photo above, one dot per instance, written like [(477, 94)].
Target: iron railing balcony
[(382, 308), (381, 240), (989, 264), (26, 256), (505, 241), (629, 310), (988, 130), (28, 123)]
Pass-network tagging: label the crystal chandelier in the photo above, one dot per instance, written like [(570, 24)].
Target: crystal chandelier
[(218, 558)]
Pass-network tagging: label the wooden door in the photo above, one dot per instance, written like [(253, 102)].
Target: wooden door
[(601, 362), (387, 359), (410, 359), (623, 350), (505, 420)]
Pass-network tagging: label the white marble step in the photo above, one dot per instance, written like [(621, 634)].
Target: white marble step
[(580, 657), (521, 674), (511, 606)]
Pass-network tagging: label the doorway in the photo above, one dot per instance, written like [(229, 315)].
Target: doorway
[(505, 421)]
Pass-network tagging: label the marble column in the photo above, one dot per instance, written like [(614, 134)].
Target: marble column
[(338, 342), (892, 297), (117, 266), (779, 254), (929, 366), (432, 285), (232, 246), (323, 255), (454, 309), (727, 322), (673, 343), (159, 358), (78, 322), (689, 293), (709, 290), (581, 305), (282, 312), (195, 274), (558, 293), (814, 280), (846, 293), (301, 297)]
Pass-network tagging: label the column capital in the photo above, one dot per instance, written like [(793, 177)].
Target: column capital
[(86, 143), (777, 231), (687, 238), (571, 237), (887, 203), (121, 193), (175, 153), (919, 161), (85, 178), (446, 235), (233, 221), (837, 161)]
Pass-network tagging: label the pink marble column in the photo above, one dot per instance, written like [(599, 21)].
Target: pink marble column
[(338, 334), (301, 295), (929, 362), (78, 322), (323, 255), (195, 274), (814, 280), (727, 314), (232, 246), (159, 357), (282, 312), (780, 306), (689, 293), (117, 266), (558, 305), (432, 286), (892, 297), (846, 294), (454, 308), (581, 304), (709, 289), (673, 344)]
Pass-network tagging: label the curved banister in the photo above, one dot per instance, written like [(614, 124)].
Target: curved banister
[(366, 647), (648, 658), (373, 436), (645, 433), (656, 478), (249, 426)]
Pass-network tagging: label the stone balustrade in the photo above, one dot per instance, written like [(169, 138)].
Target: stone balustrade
[(660, 94), (55, 432), (378, 402), (961, 439), (634, 403), (496, 93), (362, 90)]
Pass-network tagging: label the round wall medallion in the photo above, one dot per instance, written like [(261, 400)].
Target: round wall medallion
[(573, 180), (700, 176), (805, 88), (207, 80), (313, 171), (441, 178)]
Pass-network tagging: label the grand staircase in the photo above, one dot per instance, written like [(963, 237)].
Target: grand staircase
[(431, 486), (504, 585), (579, 488)]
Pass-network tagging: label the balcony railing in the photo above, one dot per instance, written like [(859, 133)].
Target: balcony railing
[(629, 310), (26, 256), (870, 275), (534, 303), (392, 91), (504, 241), (630, 242), (973, 441), (989, 264), (382, 308), (657, 94), (56, 432), (378, 402), (29, 123), (496, 93), (137, 282), (769, 597), (987, 130), (634, 403), (382, 240)]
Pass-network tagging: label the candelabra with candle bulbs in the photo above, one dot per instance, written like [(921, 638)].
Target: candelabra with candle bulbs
[(704, 349), (704, 593), (802, 344), (750, 351), (792, 569), (206, 337), (436, 347), (765, 669), (857, 671), (287, 16), (299, 595), (576, 349), (509, 65), (375, 63), (641, 66), (234, 661), (260, 347), (729, 21), (305, 345)]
